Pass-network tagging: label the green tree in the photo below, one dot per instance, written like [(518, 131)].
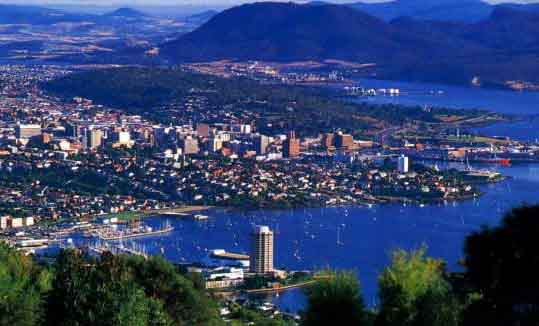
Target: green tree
[(414, 291), (127, 291), (23, 285), (502, 264), (161, 280), (335, 300)]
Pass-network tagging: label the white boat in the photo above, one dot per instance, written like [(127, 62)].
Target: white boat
[(200, 217)]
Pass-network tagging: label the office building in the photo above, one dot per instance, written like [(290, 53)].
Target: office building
[(291, 146), (261, 258), (27, 131), (121, 137), (344, 141), (328, 140), (403, 164), (189, 145), (215, 144), (94, 138), (261, 144), (203, 130)]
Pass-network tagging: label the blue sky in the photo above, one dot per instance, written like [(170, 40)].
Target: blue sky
[(173, 2)]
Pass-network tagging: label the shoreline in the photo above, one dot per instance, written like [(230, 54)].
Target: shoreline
[(147, 213)]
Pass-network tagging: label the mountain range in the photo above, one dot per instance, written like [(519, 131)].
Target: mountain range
[(442, 10), (35, 15), (502, 47)]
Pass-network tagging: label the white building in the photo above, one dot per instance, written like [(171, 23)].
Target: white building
[(403, 164), (124, 138), (29, 221), (230, 273), (17, 222), (5, 222)]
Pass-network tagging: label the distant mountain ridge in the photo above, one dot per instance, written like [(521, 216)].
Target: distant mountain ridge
[(126, 12), (503, 47), (443, 10), (468, 11), (35, 15)]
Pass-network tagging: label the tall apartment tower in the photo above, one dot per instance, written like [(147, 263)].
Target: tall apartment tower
[(261, 258), (403, 164), (95, 138)]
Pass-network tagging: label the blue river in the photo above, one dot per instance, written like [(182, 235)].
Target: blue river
[(525, 105), (362, 239)]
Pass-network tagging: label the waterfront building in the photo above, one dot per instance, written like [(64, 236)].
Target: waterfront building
[(261, 250), (403, 164)]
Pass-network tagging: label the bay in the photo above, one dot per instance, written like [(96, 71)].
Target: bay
[(307, 238)]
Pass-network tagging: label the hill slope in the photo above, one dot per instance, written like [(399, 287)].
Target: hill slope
[(287, 32), (502, 47)]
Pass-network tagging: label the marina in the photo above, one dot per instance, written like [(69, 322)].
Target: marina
[(113, 234)]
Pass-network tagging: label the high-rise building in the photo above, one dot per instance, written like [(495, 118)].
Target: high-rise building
[(344, 141), (215, 144), (27, 131), (121, 137), (328, 140), (291, 145), (95, 138), (189, 145), (203, 130), (261, 258), (261, 143), (403, 164), (71, 129), (160, 135)]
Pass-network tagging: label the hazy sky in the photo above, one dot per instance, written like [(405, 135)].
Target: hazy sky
[(175, 2)]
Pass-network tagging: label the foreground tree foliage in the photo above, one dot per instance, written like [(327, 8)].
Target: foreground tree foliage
[(335, 300), (502, 265), (22, 286), (125, 290), (414, 291), (499, 287)]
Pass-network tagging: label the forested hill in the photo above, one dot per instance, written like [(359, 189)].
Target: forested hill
[(309, 110)]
